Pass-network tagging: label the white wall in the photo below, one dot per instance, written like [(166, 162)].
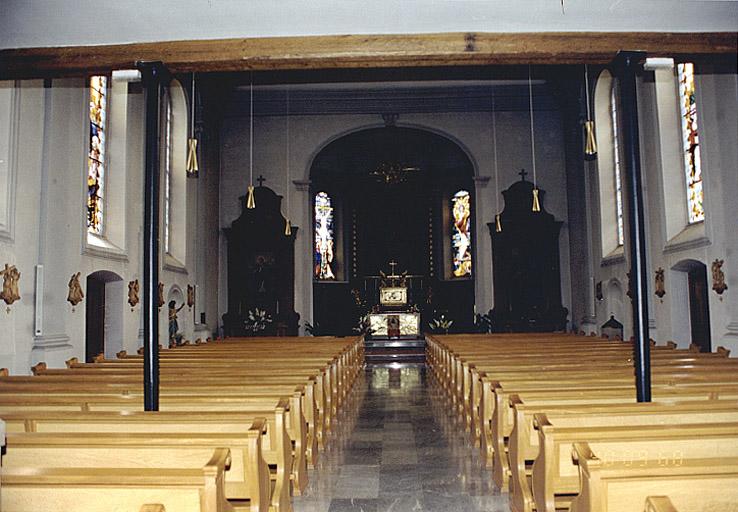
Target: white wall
[(671, 244), (472, 131), (29, 23), (46, 157)]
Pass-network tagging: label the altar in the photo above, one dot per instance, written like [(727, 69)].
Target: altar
[(394, 317)]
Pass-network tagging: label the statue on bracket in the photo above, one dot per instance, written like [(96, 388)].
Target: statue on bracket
[(659, 283), (11, 276), (75, 294), (718, 277), (190, 296), (161, 294), (133, 293)]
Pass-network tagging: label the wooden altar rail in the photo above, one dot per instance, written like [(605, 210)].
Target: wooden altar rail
[(480, 375), (206, 393), (142, 489)]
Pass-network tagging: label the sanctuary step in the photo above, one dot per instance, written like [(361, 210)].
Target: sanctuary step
[(395, 351)]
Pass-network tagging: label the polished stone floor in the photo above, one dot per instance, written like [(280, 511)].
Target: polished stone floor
[(398, 451)]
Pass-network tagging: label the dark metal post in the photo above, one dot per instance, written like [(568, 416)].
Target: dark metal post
[(627, 65), (151, 76)]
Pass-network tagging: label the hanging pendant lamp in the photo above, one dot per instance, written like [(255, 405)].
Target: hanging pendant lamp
[(287, 224), (536, 207), (250, 202), (590, 142), (192, 169)]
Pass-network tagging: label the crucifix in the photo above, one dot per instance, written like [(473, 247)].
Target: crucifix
[(392, 265), (523, 173), (261, 179)]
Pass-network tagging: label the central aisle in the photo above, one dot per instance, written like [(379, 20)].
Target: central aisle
[(398, 451)]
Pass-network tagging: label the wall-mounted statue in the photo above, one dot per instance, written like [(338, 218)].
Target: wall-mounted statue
[(11, 276), (659, 287), (161, 294), (190, 295), (75, 294), (133, 293), (718, 277)]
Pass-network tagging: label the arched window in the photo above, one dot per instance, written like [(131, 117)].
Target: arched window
[(461, 240), (324, 241), (167, 170), (96, 162), (616, 162), (690, 143)]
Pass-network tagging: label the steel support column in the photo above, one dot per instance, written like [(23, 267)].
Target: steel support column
[(626, 66), (151, 77)]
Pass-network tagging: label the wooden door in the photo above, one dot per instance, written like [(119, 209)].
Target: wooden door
[(95, 318), (699, 310)]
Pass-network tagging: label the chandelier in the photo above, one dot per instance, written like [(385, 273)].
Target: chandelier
[(393, 173)]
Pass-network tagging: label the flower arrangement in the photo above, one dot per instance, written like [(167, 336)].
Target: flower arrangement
[(257, 320), (364, 326), (440, 324)]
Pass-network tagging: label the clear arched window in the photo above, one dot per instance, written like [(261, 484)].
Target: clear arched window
[(690, 143), (324, 238), (461, 239), (96, 161), (616, 163), (167, 170)]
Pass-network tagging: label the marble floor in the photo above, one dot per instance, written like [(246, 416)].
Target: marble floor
[(398, 451)]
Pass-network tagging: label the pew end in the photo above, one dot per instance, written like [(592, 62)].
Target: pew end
[(659, 504), (39, 368)]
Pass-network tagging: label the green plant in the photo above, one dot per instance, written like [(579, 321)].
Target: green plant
[(441, 323), (257, 320), (312, 330)]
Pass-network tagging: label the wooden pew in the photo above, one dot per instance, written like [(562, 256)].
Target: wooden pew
[(230, 403), (659, 504), (120, 489), (555, 476), (524, 445), (274, 441), (246, 479), (694, 485)]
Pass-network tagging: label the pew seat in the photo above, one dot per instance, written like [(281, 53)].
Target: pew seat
[(32, 489)]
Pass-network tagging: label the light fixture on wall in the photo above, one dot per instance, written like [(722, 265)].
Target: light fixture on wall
[(498, 223), (287, 224), (192, 168), (590, 142), (250, 202), (536, 207)]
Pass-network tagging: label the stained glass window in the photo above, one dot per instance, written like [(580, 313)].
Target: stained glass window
[(461, 233), (324, 241), (691, 142), (167, 154), (616, 164), (96, 155)]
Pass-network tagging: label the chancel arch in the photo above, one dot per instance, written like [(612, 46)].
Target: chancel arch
[(392, 194)]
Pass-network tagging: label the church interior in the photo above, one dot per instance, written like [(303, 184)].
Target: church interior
[(328, 256)]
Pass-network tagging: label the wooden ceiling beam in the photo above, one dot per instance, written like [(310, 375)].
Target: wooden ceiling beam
[(362, 51)]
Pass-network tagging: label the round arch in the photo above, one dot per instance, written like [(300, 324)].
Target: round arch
[(105, 303), (371, 126)]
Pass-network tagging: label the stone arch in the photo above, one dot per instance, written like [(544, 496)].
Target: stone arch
[(690, 313), (614, 298), (369, 126), (105, 303)]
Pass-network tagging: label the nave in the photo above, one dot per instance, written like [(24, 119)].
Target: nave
[(399, 451)]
